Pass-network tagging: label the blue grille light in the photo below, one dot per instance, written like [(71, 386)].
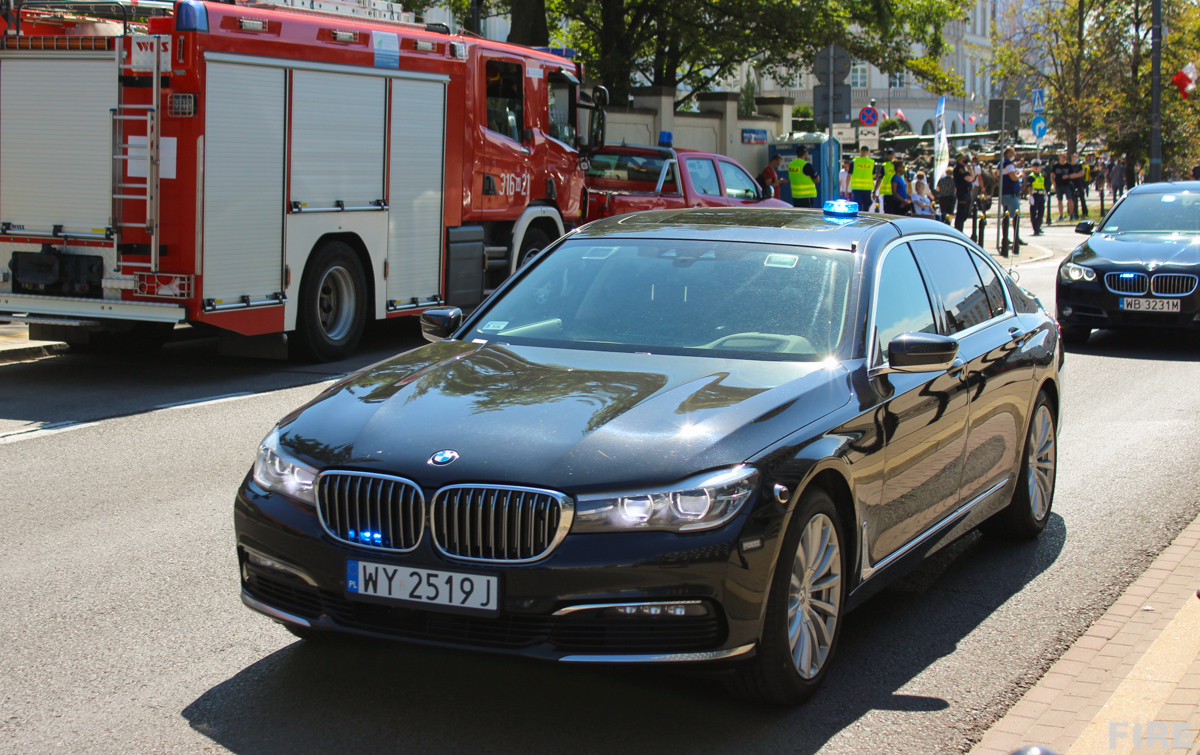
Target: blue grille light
[(841, 208), (1128, 275)]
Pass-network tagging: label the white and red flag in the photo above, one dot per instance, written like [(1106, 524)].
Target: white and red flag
[(899, 114), (1186, 79)]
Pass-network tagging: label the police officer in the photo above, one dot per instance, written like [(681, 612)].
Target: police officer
[(883, 183), (1037, 197), (862, 179), (803, 178)]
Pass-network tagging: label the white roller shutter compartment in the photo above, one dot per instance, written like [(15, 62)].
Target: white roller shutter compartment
[(337, 139), (418, 159), (243, 181), (56, 142)]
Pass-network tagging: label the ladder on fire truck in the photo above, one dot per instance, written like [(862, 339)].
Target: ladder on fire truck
[(125, 151)]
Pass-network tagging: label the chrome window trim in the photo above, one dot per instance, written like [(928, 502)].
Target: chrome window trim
[(566, 507), (421, 515), (711, 655), (601, 606), (1156, 276), (970, 249)]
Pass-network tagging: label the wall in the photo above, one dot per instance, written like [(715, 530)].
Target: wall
[(715, 128)]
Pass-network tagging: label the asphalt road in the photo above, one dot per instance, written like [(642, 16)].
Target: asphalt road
[(121, 629)]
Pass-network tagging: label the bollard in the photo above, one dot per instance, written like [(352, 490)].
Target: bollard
[(1016, 223), (1004, 234)]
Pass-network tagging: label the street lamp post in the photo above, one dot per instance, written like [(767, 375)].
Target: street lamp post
[(1154, 174)]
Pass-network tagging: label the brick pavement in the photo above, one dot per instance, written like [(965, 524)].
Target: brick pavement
[(1131, 682)]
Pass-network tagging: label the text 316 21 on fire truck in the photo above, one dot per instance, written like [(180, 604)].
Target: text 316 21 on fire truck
[(272, 170)]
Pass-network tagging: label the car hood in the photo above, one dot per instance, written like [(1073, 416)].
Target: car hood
[(572, 420), (1139, 248)]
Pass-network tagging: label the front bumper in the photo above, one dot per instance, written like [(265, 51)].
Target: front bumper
[(557, 608), (1092, 305)]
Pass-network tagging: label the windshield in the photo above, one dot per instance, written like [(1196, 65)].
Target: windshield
[(621, 167), (1155, 213), (761, 301)]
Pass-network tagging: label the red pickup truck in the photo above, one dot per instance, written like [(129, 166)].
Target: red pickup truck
[(630, 178)]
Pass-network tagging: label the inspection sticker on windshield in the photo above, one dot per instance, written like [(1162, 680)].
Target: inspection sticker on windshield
[(495, 325), (781, 260)]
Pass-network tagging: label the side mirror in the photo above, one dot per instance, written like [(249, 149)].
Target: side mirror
[(597, 129), (1087, 227), (600, 96), (438, 324), (922, 352)]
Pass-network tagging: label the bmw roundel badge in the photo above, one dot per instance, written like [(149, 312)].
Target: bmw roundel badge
[(442, 458)]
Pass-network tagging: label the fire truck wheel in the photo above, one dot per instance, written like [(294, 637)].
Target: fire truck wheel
[(535, 240), (126, 339), (333, 304)]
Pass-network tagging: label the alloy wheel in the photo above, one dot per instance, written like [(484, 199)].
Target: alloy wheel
[(814, 596), (1042, 461)]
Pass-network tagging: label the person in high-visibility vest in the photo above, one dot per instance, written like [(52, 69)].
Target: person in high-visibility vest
[(1037, 197), (883, 182), (862, 179), (803, 178)]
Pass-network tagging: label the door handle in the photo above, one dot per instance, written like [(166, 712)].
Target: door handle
[(1016, 334)]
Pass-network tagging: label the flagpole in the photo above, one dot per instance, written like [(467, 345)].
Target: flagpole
[(1154, 174)]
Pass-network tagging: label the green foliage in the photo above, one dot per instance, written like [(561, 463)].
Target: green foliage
[(746, 104), (695, 44), (890, 125), (803, 110)]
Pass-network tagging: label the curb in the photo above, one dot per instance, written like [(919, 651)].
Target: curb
[(32, 351)]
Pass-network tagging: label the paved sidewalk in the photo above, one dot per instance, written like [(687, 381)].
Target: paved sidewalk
[(1131, 682), (15, 345)]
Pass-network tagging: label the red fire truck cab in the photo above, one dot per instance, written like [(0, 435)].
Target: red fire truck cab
[(272, 169)]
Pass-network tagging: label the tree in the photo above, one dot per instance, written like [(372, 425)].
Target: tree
[(695, 44)]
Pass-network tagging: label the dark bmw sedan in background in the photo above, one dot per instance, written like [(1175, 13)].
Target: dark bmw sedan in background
[(1139, 268), (685, 436)]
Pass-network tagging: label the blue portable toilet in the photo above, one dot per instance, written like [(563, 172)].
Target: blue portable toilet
[(820, 148)]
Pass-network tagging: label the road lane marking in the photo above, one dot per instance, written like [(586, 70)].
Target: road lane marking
[(208, 400), (42, 431)]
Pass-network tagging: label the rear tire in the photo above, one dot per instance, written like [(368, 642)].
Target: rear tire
[(333, 304), (1076, 335), (534, 242), (1027, 514), (804, 609)]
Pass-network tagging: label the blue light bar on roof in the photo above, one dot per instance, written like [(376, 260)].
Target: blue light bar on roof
[(191, 16), (841, 208)]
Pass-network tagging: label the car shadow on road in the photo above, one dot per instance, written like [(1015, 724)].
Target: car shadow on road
[(1157, 345), (374, 696)]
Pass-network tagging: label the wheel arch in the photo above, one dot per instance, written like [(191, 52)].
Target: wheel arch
[(544, 217)]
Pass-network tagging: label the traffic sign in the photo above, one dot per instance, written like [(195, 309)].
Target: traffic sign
[(841, 104), (868, 116), (840, 63), (1039, 100), (868, 136), (1039, 126), (845, 134)]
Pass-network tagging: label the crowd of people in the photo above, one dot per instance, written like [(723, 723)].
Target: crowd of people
[(967, 187)]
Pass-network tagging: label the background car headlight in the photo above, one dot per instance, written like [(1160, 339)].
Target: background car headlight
[(1072, 273), (700, 503), (277, 473)]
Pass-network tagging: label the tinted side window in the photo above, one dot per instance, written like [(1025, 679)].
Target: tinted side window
[(901, 303), (505, 99), (738, 185), (991, 285), (704, 176), (956, 283)]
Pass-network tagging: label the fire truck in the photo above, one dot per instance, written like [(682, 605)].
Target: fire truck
[(281, 171)]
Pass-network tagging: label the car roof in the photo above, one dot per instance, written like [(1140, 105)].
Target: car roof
[(766, 225), (1167, 187)]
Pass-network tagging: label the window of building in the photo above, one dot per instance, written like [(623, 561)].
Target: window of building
[(898, 80), (859, 75), (505, 111)]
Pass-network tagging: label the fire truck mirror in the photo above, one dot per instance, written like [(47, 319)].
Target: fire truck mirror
[(596, 129), (600, 97)]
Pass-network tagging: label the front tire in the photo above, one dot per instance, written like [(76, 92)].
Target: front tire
[(534, 241), (804, 609), (1027, 514), (333, 304)]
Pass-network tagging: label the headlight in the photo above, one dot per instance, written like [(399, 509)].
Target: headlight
[(1072, 273), (279, 474), (700, 503)]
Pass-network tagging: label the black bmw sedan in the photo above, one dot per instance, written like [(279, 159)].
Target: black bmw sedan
[(682, 436), (1139, 268)]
